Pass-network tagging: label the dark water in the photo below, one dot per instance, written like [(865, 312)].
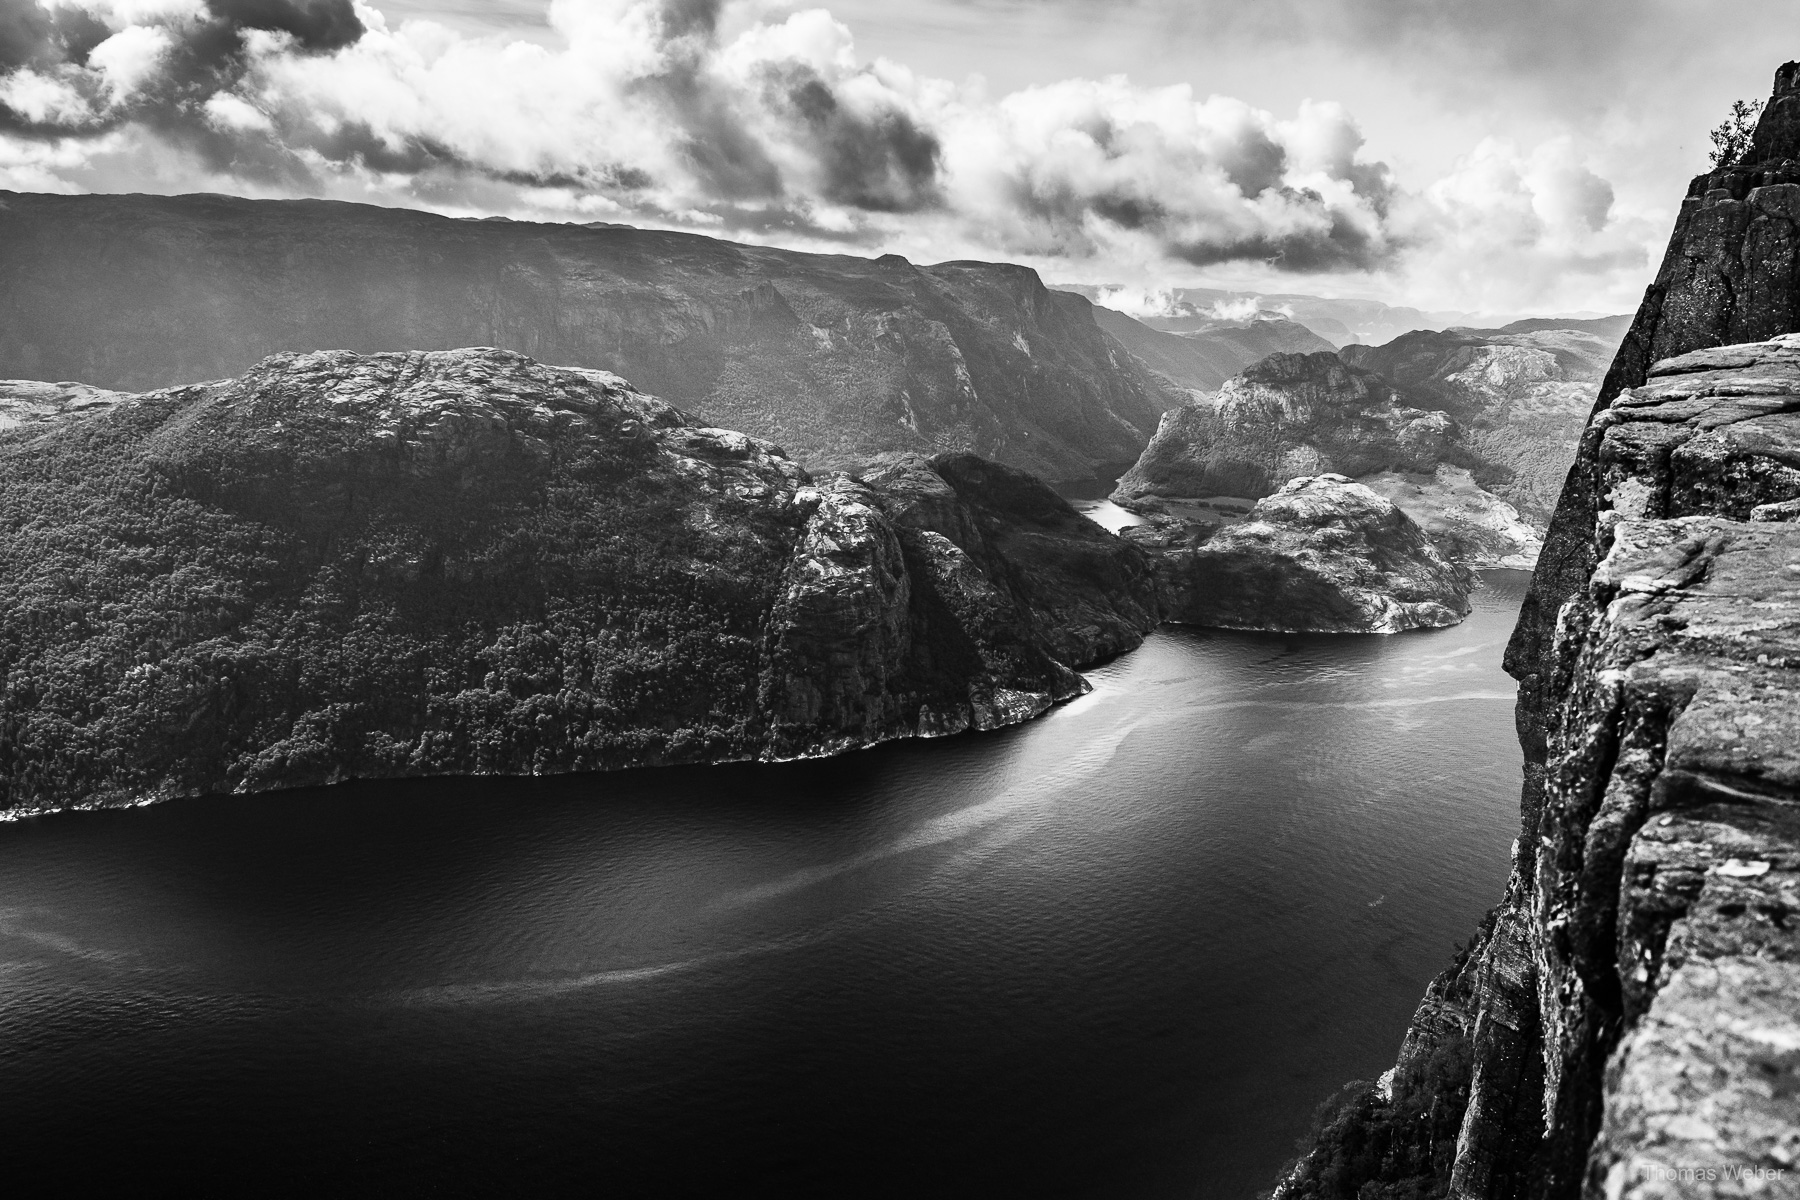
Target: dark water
[(1119, 952)]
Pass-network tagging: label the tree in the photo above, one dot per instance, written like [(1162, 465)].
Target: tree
[(1731, 140)]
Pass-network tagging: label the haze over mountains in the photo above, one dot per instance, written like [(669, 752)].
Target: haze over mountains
[(1204, 357), (1340, 321)]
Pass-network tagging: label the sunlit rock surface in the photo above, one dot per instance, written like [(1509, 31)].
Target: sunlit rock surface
[(27, 401)]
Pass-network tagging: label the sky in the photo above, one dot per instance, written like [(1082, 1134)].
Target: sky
[(1525, 156)]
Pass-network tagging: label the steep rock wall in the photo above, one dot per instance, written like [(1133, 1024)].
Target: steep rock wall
[(1627, 1022)]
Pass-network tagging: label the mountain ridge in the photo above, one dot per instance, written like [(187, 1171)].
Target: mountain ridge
[(835, 357)]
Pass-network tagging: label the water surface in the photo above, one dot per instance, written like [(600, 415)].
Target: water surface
[(1119, 952)]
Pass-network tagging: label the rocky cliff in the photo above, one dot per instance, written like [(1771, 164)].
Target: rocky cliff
[(465, 562), (1626, 1024), (833, 357)]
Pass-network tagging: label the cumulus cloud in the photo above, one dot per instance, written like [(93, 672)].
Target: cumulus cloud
[(731, 114), (743, 117), (1509, 226), (1084, 166), (1139, 301)]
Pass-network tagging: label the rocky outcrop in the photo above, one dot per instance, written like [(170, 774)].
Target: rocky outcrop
[(834, 357), (466, 562), (1287, 416), (1322, 554), (1728, 277), (1629, 1019)]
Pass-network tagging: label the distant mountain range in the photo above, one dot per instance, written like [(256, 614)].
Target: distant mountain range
[(1340, 322), (1204, 357), (835, 358)]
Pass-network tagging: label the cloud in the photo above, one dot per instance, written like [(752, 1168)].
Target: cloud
[(1082, 167), (1567, 54), (1511, 226), (1139, 302), (740, 117)]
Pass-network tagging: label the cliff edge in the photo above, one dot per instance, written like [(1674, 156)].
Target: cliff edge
[(1626, 1023)]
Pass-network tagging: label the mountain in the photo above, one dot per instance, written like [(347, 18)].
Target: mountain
[(1322, 554), (1625, 1020), (1339, 321), (833, 357), (464, 562), (1611, 329), (1208, 352), (1470, 431), (1287, 416), (1521, 394), (1298, 415)]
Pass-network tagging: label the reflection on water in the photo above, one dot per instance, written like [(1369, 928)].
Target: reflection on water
[(1121, 951), (1108, 515)]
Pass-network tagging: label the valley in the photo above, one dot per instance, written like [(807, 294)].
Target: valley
[(905, 793)]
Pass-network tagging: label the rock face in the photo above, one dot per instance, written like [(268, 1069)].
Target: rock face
[(1287, 416), (1627, 1022), (1727, 277), (1322, 554), (833, 357), (465, 562)]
